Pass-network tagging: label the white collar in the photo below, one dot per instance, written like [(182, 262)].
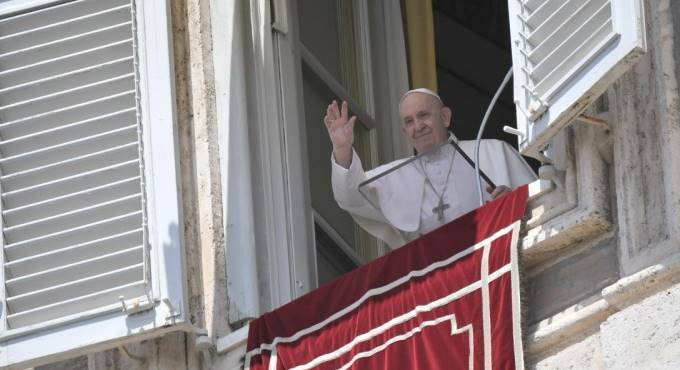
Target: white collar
[(441, 151)]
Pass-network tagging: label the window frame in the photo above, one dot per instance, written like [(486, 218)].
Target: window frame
[(61, 339), (576, 90), (258, 76)]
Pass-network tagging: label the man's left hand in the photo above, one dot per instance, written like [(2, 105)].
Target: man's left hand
[(499, 191)]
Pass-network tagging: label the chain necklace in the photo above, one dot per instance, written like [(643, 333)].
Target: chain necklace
[(441, 206)]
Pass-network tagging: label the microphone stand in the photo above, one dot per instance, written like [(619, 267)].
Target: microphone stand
[(481, 131), (471, 163), (413, 159)]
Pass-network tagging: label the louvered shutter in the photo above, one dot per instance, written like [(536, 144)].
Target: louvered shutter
[(565, 54), (72, 166)]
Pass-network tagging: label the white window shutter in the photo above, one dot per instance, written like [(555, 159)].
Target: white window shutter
[(565, 54), (90, 208)]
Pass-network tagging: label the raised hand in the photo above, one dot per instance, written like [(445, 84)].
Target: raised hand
[(341, 132)]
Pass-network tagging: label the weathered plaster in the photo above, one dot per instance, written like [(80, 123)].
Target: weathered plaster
[(207, 196), (584, 353), (645, 335), (555, 290), (642, 172), (578, 210), (646, 147)]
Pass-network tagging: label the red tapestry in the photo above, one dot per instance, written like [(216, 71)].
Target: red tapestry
[(448, 300)]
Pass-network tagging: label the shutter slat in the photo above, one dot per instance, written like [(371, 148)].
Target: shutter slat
[(79, 270), (65, 185), (71, 201), (573, 42), (73, 218), (70, 131), (542, 13), (569, 19), (74, 289), (532, 5), (69, 220), (602, 35), (76, 235), (71, 167), (565, 12), (536, 34), (65, 63), (68, 45), (74, 253), (84, 110), (70, 149), (73, 26), (76, 305), (80, 94), (107, 136), (55, 13), (67, 80)]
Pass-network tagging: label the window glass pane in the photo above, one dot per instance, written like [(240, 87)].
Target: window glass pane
[(320, 33), (319, 148)]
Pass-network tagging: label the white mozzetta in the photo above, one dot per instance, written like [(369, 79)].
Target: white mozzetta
[(88, 178), (565, 54)]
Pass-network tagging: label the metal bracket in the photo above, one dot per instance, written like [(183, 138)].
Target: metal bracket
[(513, 131), (139, 359), (174, 312), (536, 108), (135, 306), (279, 16), (202, 340), (599, 122)]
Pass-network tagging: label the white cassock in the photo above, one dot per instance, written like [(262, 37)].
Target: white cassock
[(404, 200)]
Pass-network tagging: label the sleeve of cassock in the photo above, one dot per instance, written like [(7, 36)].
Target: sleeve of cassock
[(345, 183)]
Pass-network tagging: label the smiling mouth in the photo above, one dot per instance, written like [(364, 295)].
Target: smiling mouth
[(424, 134)]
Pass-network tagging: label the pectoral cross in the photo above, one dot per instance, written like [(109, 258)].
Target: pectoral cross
[(439, 209)]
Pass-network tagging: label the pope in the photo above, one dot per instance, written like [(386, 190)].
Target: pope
[(429, 192)]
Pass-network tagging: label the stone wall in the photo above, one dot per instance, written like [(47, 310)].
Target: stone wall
[(607, 298)]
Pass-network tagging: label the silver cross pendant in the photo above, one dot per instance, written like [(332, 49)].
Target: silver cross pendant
[(439, 209)]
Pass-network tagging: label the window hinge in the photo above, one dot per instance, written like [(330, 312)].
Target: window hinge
[(536, 109), (279, 16), (136, 305), (595, 121), (173, 312)]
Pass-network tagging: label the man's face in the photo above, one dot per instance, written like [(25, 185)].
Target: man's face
[(424, 120)]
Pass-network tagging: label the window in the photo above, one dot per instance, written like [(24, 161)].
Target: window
[(90, 205), (334, 48), (565, 54), (269, 79)]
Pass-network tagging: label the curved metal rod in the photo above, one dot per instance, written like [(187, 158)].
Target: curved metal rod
[(481, 131)]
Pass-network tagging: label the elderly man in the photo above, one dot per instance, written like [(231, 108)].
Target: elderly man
[(427, 193)]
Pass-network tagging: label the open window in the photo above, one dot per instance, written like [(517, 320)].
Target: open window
[(333, 44), (91, 242), (278, 65), (565, 54)]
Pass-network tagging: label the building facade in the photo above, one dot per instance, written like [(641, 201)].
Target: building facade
[(238, 215)]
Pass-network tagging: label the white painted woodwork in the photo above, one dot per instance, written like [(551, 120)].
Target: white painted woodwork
[(90, 203), (565, 54), (48, 148)]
